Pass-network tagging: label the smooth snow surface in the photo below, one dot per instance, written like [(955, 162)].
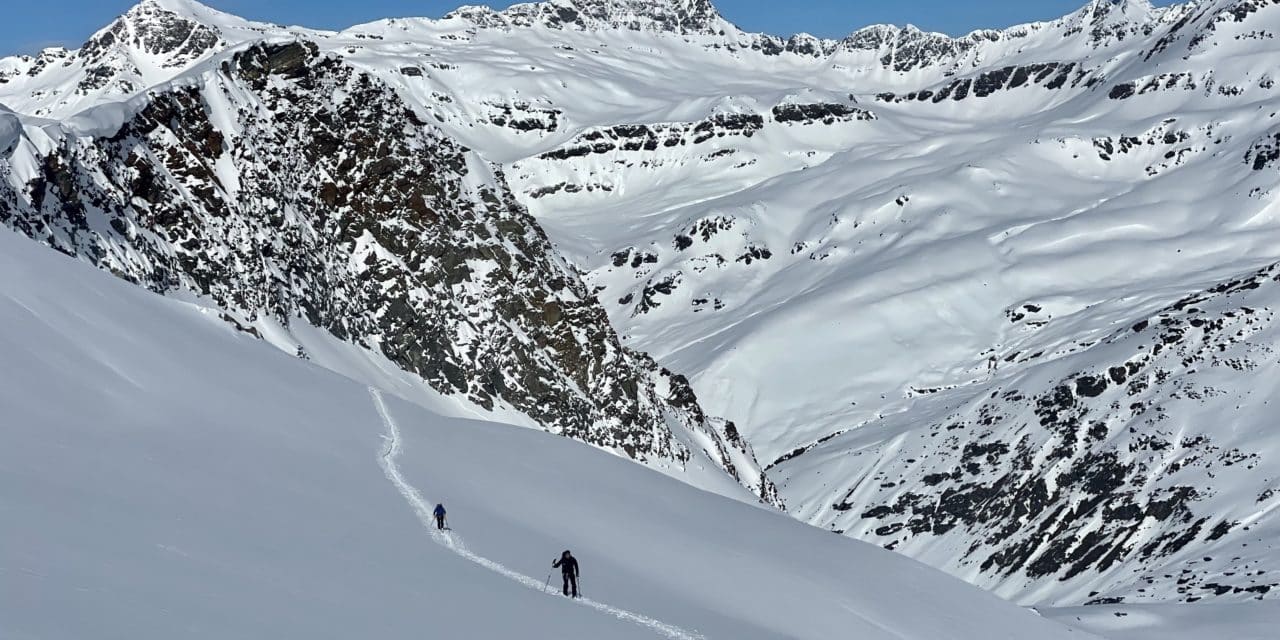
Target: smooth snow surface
[(1175, 621), (422, 508), (163, 476)]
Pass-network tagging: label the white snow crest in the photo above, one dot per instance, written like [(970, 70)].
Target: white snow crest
[(10, 130)]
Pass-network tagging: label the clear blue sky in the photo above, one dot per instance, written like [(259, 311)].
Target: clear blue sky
[(29, 25)]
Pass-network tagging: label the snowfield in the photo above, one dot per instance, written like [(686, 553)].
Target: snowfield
[(167, 476)]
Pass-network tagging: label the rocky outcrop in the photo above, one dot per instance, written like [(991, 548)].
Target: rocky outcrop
[(1069, 477), (1050, 75), (824, 113), (150, 28), (667, 16), (1264, 153), (640, 137)]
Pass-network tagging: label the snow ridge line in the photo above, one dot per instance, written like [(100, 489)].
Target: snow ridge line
[(422, 509)]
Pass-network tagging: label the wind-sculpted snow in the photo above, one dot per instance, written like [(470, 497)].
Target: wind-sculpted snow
[(167, 476)]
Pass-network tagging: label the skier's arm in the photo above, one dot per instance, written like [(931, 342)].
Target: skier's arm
[(555, 564)]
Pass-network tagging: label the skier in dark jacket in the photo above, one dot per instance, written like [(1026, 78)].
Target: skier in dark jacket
[(569, 571), (439, 514)]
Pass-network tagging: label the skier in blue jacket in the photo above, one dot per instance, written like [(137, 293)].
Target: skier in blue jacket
[(439, 514)]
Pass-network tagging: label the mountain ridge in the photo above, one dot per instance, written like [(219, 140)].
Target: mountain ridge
[(171, 23)]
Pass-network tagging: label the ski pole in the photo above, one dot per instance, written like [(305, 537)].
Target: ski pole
[(546, 584)]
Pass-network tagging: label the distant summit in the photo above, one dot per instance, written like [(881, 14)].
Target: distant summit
[(672, 16)]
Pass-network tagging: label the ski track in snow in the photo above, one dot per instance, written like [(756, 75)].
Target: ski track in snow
[(421, 508)]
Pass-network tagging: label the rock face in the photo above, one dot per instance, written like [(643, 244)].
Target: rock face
[(667, 16), (929, 328), (144, 46), (331, 201)]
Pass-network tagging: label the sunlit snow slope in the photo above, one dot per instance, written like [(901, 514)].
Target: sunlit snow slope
[(1001, 302), (908, 268), (166, 476)]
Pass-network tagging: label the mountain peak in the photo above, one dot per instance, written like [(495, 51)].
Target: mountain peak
[(173, 6), (1121, 9), (165, 29), (190, 9), (1109, 21), (171, 32), (147, 11)]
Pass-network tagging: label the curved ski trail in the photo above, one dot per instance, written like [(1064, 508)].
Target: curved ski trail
[(421, 508)]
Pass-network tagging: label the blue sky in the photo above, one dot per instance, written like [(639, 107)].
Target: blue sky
[(30, 25)]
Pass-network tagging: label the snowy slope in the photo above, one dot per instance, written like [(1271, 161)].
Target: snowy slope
[(948, 235), (168, 476), (902, 266), (285, 185), (1174, 621), (146, 46)]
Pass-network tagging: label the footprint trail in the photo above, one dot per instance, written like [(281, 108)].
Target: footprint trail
[(421, 507)]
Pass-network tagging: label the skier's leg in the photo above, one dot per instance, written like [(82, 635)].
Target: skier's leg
[(566, 583), (574, 580)]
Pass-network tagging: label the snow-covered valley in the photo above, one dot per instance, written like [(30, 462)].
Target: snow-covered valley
[(1001, 303)]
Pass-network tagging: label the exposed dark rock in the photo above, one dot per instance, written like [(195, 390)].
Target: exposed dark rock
[(632, 138), (1020, 491), (826, 113), (1121, 91), (1090, 386), (355, 216)]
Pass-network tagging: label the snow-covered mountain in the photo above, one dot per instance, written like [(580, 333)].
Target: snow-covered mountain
[(1000, 302), (287, 186)]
